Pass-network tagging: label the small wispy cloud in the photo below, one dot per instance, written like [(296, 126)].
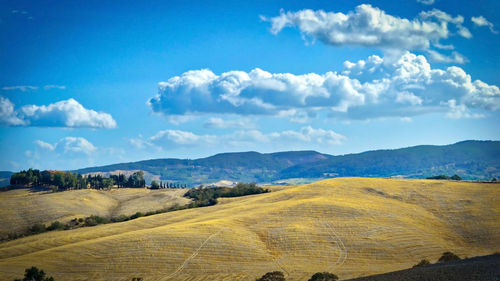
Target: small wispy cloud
[(24, 88), (22, 13), (426, 2), (482, 21), (172, 139), (219, 123), (28, 88), (58, 87)]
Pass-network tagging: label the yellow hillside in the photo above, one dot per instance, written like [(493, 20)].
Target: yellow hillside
[(21, 208), (348, 226)]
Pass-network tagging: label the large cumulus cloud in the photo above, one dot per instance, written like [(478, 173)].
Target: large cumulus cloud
[(364, 89), (372, 27), (66, 113)]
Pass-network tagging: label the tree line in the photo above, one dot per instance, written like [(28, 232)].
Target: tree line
[(60, 180)]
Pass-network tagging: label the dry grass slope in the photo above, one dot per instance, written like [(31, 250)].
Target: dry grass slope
[(23, 208), (350, 226)]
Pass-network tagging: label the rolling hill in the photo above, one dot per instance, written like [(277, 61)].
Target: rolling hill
[(352, 227), (473, 160), (22, 208)]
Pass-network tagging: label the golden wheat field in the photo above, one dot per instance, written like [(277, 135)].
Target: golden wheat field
[(349, 226), (22, 208)]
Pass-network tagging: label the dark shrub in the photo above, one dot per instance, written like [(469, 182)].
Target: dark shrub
[(34, 274), (136, 215), (423, 262), (95, 220), (38, 228), (272, 276), (324, 276), (57, 225), (456, 178), (448, 256), (440, 177)]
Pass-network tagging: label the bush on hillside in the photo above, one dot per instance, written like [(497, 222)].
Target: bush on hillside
[(440, 177), (95, 220), (456, 177), (57, 225), (423, 262), (272, 276), (448, 256), (324, 276), (208, 196), (38, 228), (34, 274)]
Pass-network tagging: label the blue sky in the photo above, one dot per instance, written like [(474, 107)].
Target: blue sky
[(88, 83)]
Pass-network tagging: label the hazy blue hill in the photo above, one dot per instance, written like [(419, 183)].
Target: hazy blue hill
[(239, 166), (468, 159), (5, 178)]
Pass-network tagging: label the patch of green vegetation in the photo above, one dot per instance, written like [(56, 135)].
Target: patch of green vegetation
[(35, 274), (272, 276), (448, 256), (423, 262), (324, 276), (455, 177), (208, 196)]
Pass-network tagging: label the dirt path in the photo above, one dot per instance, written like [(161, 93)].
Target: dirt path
[(195, 253)]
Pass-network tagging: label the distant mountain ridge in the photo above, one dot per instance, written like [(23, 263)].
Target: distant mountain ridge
[(475, 160)]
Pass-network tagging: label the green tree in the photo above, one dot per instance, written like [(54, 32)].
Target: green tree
[(59, 180), (455, 177), (272, 276), (34, 274), (154, 185), (324, 276)]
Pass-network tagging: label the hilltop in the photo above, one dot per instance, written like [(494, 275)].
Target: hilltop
[(352, 227), (473, 160)]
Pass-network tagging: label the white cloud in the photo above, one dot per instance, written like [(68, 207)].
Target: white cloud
[(59, 87), (66, 113), (458, 111), (44, 145), (172, 139), (27, 88), (482, 21), (372, 88), (219, 123), (454, 58), (69, 145), (311, 135), (20, 88), (371, 27), (181, 138), (426, 2), (8, 117)]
